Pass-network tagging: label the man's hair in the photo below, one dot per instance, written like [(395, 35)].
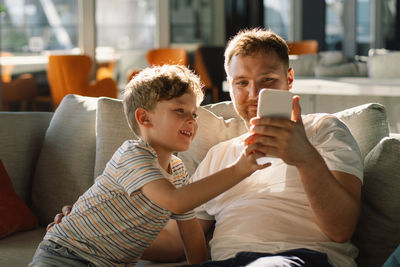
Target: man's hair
[(250, 42), (158, 83)]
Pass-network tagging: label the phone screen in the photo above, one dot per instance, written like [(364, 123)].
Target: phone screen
[(275, 103)]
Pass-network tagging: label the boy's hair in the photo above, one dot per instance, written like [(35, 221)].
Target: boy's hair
[(158, 83), (250, 42)]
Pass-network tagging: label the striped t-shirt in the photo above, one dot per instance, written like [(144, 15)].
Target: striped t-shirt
[(113, 222)]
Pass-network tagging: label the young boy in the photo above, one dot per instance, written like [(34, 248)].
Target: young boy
[(144, 184)]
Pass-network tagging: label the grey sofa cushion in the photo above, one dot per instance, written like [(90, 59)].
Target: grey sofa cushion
[(223, 109), (21, 141), (18, 249), (378, 232), (367, 123), (66, 164), (112, 130)]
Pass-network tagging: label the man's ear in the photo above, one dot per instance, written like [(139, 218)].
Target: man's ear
[(142, 117), (290, 77)]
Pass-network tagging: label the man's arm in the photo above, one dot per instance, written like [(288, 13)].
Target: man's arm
[(182, 199), (334, 196), (194, 242)]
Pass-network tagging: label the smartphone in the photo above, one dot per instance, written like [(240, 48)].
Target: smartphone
[(275, 103)]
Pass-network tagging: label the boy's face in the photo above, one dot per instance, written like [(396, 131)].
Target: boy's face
[(249, 74), (174, 124)]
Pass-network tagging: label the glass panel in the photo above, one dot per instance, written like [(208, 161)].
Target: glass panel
[(191, 21), (334, 24), (363, 26), (277, 15), (125, 32), (126, 24), (363, 21), (32, 26)]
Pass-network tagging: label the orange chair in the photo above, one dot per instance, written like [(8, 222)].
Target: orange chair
[(69, 74), (21, 90), (105, 70), (6, 70), (172, 56), (303, 47)]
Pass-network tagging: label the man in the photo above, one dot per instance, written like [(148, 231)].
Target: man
[(308, 199), (302, 208)]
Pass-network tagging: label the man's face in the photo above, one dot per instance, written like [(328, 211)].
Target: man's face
[(249, 74)]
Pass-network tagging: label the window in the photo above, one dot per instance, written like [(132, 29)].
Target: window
[(276, 16), (334, 28), (191, 21), (126, 24), (32, 26)]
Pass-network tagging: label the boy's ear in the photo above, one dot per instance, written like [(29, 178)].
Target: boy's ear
[(142, 117)]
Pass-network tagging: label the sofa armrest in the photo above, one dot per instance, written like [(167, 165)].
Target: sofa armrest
[(378, 232), (21, 138)]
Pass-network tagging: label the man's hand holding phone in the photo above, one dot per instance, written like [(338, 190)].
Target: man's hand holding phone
[(278, 130)]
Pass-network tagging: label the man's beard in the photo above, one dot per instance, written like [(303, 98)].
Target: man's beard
[(245, 112)]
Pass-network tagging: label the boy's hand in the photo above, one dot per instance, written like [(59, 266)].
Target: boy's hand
[(57, 219), (247, 163)]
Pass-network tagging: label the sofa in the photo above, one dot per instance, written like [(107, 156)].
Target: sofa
[(52, 158)]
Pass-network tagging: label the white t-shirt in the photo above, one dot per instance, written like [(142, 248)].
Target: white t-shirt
[(269, 211)]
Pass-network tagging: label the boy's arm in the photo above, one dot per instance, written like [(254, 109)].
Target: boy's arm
[(186, 198), (193, 241)]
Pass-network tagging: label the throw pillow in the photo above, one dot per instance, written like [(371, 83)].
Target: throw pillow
[(65, 166), (367, 123), (112, 130), (378, 232), (15, 215)]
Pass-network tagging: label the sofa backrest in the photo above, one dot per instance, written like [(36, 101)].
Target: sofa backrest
[(367, 123), (84, 133), (21, 138), (65, 166)]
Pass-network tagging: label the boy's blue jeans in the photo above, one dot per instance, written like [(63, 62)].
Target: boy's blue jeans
[(51, 254), (394, 259)]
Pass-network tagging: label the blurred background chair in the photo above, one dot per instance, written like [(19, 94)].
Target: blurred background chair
[(69, 74), (209, 65), (19, 92), (105, 70), (303, 47), (172, 56)]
